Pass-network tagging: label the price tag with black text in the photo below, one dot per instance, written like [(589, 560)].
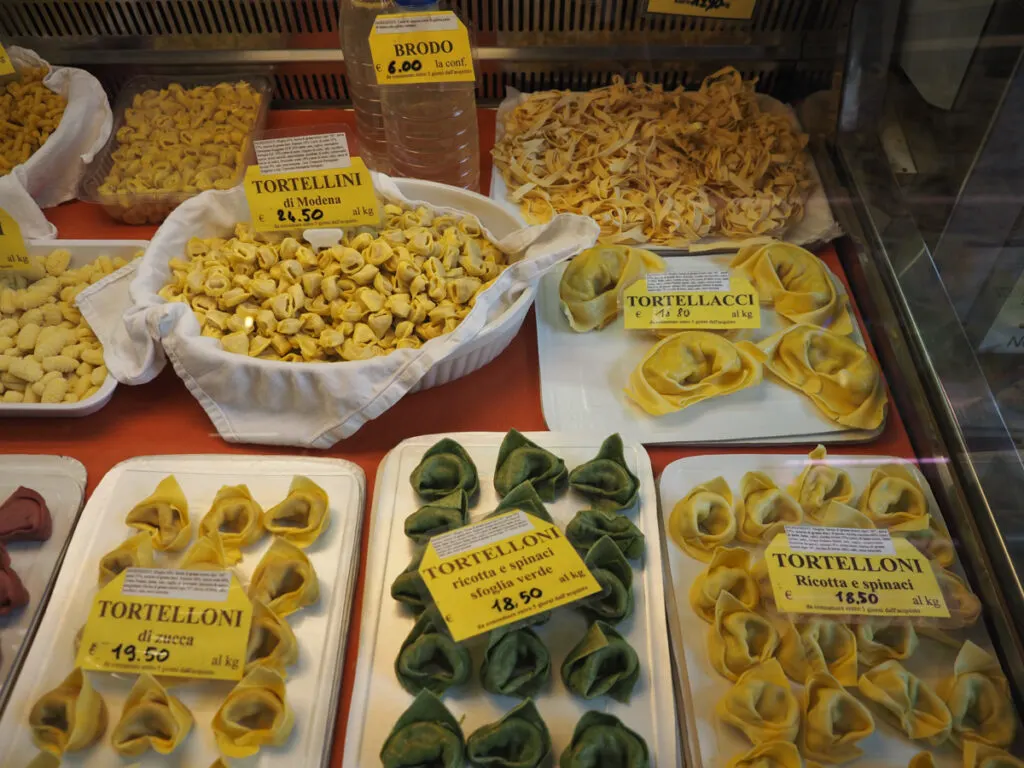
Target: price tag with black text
[(13, 252), (410, 48)]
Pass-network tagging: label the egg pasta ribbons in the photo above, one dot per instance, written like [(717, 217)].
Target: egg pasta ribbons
[(70, 717), (152, 719), (591, 287), (796, 283), (691, 366)]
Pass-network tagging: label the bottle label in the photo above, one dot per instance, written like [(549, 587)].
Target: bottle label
[(410, 48), (716, 9), (704, 301)]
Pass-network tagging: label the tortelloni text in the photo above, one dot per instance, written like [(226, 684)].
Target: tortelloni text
[(380, 289)]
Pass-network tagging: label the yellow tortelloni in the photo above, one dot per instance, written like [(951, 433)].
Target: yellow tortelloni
[(834, 721), (728, 571), (164, 516), (796, 283), (593, 282), (740, 638), (929, 537), (893, 497), (820, 483), (152, 719), (206, 554), (835, 514), (271, 641), (907, 701), (70, 717), (772, 754), (255, 714), (880, 640), (134, 552), (762, 705), (838, 375), (237, 517), (704, 519), (303, 515), (922, 760), (763, 509), (818, 645), (284, 579), (980, 755), (691, 366), (978, 697)]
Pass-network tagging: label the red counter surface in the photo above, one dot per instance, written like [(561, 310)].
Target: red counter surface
[(162, 418)]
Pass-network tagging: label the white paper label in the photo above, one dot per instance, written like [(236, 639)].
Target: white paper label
[(393, 24), (302, 153), (480, 535), (847, 541), (711, 281), (210, 586)]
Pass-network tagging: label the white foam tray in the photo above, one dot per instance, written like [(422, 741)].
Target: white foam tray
[(61, 482), (321, 629), (82, 252), (710, 743), (378, 699)]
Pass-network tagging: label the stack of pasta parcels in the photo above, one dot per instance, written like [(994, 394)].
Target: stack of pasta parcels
[(516, 661), (74, 717), (761, 651), (29, 113), (48, 352), (380, 289)]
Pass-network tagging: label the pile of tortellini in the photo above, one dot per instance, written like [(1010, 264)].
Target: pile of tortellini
[(256, 713), (762, 651), (380, 289), (813, 354), (48, 352), (29, 113), (516, 661), (175, 142)]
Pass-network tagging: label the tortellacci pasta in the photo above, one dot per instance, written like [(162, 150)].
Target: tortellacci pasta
[(48, 352), (397, 286), (29, 113), (796, 284), (271, 641), (762, 705), (978, 697), (907, 701), (763, 509), (834, 721), (592, 284), (691, 366), (880, 640), (929, 537), (837, 374), (704, 519)]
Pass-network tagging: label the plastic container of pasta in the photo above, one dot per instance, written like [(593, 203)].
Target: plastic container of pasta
[(153, 207), (312, 683), (377, 697)]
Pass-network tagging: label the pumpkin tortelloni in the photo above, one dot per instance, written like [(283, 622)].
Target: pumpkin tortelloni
[(284, 579), (151, 719), (907, 701), (691, 366), (255, 714), (134, 552), (237, 517), (70, 717), (593, 282), (839, 376), (704, 519), (740, 638), (164, 516), (820, 483), (303, 515), (728, 571), (796, 283), (763, 509), (834, 721), (271, 641), (762, 705), (206, 554), (978, 697)]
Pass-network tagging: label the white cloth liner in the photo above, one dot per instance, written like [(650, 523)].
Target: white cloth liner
[(818, 225), (51, 175), (273, 402)]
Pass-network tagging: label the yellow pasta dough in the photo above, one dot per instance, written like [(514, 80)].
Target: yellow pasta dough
[(237, 517), (893, 496), (907, 701), (763, 509), (821, 482), (740, 638), (704, 519), (834, 721), (796, 284), (772, 754), (978, 697), (592, 284), (70, 717), (151, 719), (837, 374), (691, 366), (284, 579), (728, 571), (164, 516), (819, 645), (271, 641), (762, 705), (207, 553), (134, 552), (303, 515), (255, 714)]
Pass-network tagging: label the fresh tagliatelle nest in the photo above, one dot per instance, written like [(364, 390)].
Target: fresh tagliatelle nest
[(657, 166)]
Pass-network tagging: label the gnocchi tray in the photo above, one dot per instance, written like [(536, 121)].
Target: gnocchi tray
[(311, 683), (713, 734), (379, 699)]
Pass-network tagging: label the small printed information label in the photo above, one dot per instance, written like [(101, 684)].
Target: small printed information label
[(13, 253), (290, 154), (712, 281), (430, 47), (179, 623), (857, 541), (817, 577), (502, 570), (709, 301), (719, 9)]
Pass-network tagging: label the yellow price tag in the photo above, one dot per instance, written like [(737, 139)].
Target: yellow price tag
[(717, 9), (502, 570), (13, 252), (6, 65), (711, 300), (169, 622), (410, 48), (820, 570), (333, 197)]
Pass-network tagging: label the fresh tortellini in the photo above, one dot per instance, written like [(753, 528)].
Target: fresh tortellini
[(284, 579), (29, 113), (237, 517), (907, 701), (978, 697), (70, 717), (255, 714), (397, 286), (704, 519), (48, 352), (592, 284), (834, 721), (303, 516), (893, 496), (881, 639), (819, 645), (164, 516), (151, 719), (762, 705), (134, 552), (821, 482), (728, 571), (740, 638), (771, 754), (763, 509), (206, 554)]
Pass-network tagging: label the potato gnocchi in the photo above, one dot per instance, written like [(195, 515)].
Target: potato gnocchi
[(379, 290), (29, 113), (48, 352)]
